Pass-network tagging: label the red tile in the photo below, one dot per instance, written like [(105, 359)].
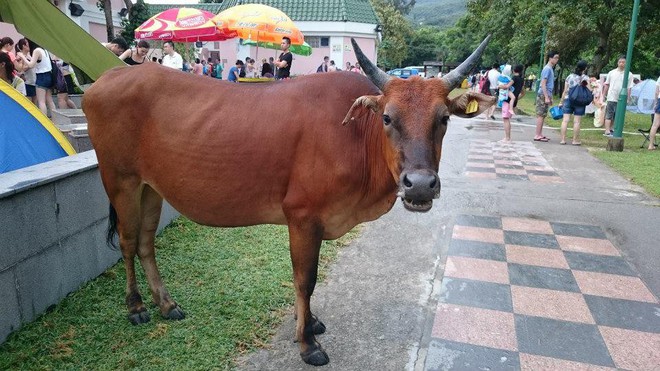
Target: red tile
[(632, 350), (508, 162), (613, 286), (526, 225), (539, 363), (587, 245), (484, 327), (538, 168), (558, 305), (477, 269), (478, 234), (550, 258), (500, 170), (480, 175)]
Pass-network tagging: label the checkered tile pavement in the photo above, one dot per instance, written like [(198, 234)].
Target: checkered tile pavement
[(514, 160), (530, 294)]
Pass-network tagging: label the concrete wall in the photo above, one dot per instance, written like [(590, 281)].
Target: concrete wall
[(53, 221)]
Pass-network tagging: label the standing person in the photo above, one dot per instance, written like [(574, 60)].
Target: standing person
[(611, 89), (7, 73), (197, 67), (63, 100), (209, 64), (544, 95), (598, 103), (283, 63), (218, 69), (324, 66), (273, 69), (656, 118), (138, 56), (332, 67), (517, 83), (266, 70), (23, 53), (44, 81), (235, 71), (251, 69), (569, 107), (492, 75), (172, 59), (356, 68), (348, 66)]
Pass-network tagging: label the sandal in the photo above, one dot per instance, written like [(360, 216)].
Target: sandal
[(562, 143), (577, 143), (541, 139)]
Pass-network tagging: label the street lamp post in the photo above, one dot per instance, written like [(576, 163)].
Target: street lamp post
[(616, 142)]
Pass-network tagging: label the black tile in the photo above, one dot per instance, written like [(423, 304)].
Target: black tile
[(478, 294), (480, 169), (510, 166), (578, 230), (476, 249), (528, 163), (598, 263), (542, 173), (547, 241), (480, 160), (542, 277), (628, 314), (561, 339), (450, 355), (479, 221), (512, 177)]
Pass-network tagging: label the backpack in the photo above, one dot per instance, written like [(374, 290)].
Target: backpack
[(59, 83), (241, 73), (580, 95), (484, 84)]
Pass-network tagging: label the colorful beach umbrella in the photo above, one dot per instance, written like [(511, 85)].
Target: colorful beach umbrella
[(182, 25), (260, 23)]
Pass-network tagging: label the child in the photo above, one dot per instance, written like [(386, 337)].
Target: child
[(505, 85)]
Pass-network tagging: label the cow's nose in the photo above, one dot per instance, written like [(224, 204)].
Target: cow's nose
[(421, 185)]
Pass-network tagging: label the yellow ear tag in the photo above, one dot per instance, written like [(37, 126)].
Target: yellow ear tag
[(472, 107)]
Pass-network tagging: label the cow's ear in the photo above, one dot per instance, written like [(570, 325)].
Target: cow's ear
[(360, 106), (470, 104)]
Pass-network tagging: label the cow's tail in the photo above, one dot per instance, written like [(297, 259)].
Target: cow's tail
[(112, 227)]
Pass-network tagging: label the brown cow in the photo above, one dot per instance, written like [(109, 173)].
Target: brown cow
[(274, 153)]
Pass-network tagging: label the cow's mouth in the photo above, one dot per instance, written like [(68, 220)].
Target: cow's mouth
[(418, 206)]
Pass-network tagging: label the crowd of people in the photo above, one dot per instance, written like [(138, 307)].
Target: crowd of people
[(581, 94)]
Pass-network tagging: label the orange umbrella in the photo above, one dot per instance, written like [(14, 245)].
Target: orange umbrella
[(260, 23), (182, 25)]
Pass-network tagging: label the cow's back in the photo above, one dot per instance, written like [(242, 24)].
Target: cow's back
[(225, 153)]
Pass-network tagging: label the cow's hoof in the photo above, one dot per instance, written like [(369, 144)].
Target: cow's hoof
[(317, 326), (139, 317), (316, 357), (175, 314)]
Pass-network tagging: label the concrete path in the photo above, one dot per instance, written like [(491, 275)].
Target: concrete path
[(536, 256)]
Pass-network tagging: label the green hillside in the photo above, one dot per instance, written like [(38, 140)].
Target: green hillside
[(441, 13)]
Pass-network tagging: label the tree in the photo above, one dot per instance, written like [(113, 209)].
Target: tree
[(393, 49), (138, 13), (403, 6), (106, 7)]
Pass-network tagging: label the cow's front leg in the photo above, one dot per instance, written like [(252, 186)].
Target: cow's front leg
[(305, 244)]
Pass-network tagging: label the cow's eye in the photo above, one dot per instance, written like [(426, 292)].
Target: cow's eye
[(387, 119), (445, 120)]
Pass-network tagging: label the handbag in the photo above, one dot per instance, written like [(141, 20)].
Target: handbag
[(556, 113)]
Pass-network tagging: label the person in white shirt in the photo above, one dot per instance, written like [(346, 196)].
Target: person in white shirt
[(172, 59), (493, 76), (656, 117), (611, 90)]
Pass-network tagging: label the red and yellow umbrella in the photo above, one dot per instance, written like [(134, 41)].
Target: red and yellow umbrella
[(182, 25), (260, 23)]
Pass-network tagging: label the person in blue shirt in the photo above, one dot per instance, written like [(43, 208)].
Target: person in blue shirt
[(544, 95), (235, 71)]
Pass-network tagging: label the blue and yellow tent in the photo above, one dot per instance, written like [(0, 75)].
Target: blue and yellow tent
[(27, 136)]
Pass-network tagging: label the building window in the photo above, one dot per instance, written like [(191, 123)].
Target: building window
[(318, 41)]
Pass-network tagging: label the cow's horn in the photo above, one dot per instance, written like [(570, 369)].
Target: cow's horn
[(375, 74), (454, 78)]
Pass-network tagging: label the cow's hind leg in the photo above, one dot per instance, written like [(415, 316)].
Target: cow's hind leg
[(305, 244), (151, 205), (125, 199)]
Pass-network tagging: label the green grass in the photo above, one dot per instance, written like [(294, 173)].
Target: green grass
[(233, 283)]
